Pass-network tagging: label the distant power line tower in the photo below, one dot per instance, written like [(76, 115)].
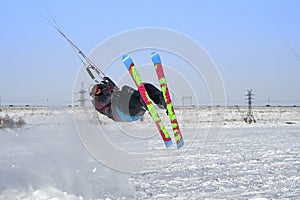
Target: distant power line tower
[(82, 98), (250, 118)]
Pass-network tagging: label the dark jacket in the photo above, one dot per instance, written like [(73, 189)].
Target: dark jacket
[(102, 103), (111, 102), (126, 105)]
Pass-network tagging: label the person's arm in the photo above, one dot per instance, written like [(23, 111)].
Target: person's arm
[(110, 83)]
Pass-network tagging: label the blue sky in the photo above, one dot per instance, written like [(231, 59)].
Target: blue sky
[(255, 44)]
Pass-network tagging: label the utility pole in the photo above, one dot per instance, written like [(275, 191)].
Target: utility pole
[(250, 118), (269, 102), (82, 96), (228, 101)]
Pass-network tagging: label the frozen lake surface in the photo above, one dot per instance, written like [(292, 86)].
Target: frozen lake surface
[(48, 158)]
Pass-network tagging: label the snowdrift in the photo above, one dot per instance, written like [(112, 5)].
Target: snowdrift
[(45, 158)]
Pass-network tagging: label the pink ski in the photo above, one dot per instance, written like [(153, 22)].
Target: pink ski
[(164, 88)]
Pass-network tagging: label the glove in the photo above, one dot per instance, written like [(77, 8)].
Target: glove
[(111, 84)]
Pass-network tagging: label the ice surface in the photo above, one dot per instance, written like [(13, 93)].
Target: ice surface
[(223, 157)]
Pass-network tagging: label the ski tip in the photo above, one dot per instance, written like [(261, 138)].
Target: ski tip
[(127, 61), (168, 143), (180, 144), (125, 57), (155, 57)]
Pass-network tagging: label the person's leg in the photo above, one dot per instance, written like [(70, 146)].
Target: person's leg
[(127, 89), (156, 95), (131, 102), (137, 106)]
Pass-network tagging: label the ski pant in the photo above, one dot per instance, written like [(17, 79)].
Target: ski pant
[(130, 102)]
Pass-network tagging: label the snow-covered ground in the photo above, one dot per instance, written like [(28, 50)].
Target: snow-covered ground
[(61, 153)]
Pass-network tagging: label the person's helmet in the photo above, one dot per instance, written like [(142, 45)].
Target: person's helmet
[(93, 89)]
